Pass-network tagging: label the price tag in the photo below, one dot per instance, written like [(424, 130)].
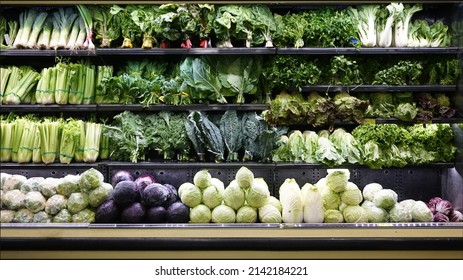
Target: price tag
[(369, 121)]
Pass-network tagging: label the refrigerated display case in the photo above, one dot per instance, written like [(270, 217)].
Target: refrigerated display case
[(301, 240)]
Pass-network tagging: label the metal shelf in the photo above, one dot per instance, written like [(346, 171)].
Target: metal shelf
[(235, 50), (380, 88), (352, 50), (95, 108)]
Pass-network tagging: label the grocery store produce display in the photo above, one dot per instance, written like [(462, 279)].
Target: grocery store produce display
[(73, 198), (86, 198), (225, 84)]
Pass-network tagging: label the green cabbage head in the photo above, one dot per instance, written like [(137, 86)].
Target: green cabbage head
[(233, 196), (258, 194), (269, 214), (244, 177), (212, 197), (355, 214), (200, 214), (385, 198), (246, 214), (190, 194), (370, 190), (223, 214)]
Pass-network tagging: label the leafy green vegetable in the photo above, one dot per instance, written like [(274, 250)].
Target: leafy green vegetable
[(231, 130), (344, 71), (350, 108), (126, 137)]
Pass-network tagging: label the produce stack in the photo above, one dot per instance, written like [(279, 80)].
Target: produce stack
[(245, 200), (141, 200), (72, 199)]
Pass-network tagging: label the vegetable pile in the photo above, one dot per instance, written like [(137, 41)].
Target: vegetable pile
[(291, 72), (245, 200), (443, 210), (223, 26), (72, 199), (376, 146), (29, 139), (141, 200)]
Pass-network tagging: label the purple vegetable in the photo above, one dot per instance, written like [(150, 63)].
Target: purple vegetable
[(107, 212), (178, 213), (439, 217), (155, 195), (133, 214), (433, 201), (124, 193), (120, 176), (456, 216), (173, 197), (172, 188), (444, 207), (143, 181), (156, 214)]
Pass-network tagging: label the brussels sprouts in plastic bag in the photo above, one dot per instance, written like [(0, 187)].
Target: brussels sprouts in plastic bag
[(84, 216), (100, 194), (90, 179), (258, 194), (34, 201), (269, 214), (42, 217), (32, 184), (200, 214), (13, 199), (223, 214), (3, 177), (49, 186), (63, 216), (246, 214), (77, 202), (55, 204), (13, 182), (7, 216), (23, 216), (68, 185)]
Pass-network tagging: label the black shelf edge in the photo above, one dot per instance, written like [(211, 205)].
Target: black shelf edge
[(27, 108), (242, 243), (173, 164), (352, 50), (234, 50), (380, 88), (37, 52), (198, 107)]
